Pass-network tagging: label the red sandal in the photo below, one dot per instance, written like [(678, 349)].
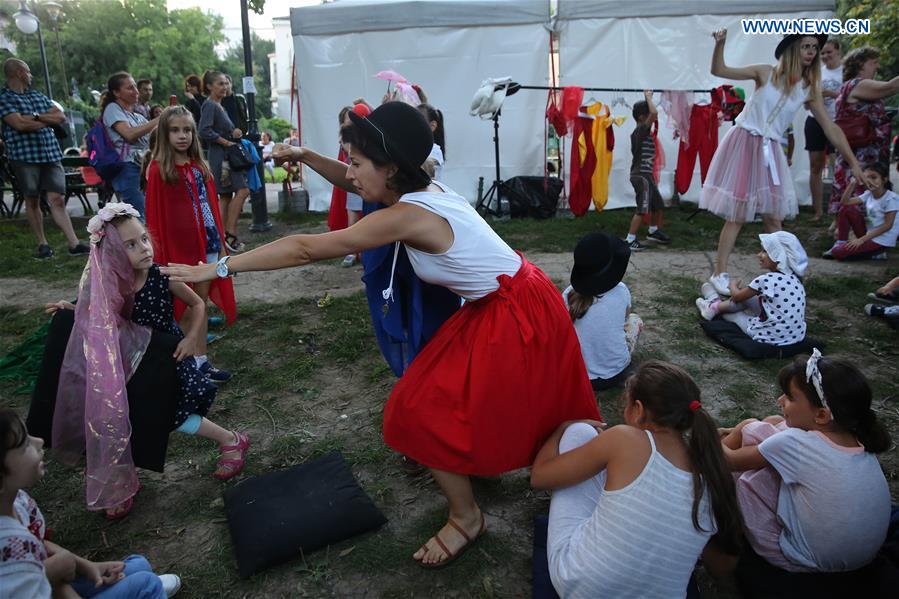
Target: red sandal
[(121, 510), (228, 468)]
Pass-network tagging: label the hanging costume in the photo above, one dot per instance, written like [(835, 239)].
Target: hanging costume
[(503, 372), (603, 142), (177, 227), (583, 163), (749, 174), (703, 141)]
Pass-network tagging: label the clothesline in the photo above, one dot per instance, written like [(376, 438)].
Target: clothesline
[(613, 89)]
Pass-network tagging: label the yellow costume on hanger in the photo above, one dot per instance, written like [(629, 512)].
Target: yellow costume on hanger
[(600, 180)]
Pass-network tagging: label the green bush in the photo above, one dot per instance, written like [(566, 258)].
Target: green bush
[(278, 127)]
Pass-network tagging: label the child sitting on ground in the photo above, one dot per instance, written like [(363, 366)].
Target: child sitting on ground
[(812, 493), (30, 565), (649, 200), (634, 505), (600, 306), (122, 299), (881, 203), (772, 309), (888, 294)]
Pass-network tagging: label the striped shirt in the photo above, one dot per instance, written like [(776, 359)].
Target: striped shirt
[(640, 540), (32, 146), (643, 151)]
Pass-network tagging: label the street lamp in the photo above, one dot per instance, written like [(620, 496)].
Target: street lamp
[(27, 22), (54, 11)]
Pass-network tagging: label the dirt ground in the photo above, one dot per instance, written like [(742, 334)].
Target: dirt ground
[(179, 519)]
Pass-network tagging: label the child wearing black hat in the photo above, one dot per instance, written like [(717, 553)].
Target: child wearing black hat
[(600, 306)]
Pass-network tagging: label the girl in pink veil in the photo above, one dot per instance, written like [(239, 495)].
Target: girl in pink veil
[(121, 300)]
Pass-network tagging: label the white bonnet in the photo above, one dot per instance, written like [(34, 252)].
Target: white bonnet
[(784, 249)]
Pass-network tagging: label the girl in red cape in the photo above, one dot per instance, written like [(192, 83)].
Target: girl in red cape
[(183, 218)]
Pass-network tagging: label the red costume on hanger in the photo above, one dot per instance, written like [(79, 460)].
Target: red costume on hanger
[(178, 233), (337, 217), (703, 141), (583, 163)]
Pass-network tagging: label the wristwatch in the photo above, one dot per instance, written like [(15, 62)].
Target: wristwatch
[(36, 116), (221, 268)]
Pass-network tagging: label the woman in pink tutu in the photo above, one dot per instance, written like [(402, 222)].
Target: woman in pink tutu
[(749, 174)]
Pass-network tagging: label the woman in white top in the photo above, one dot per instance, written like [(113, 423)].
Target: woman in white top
[(634, 506), (267, 161), (749, 172), (130, 132), (500, 374)]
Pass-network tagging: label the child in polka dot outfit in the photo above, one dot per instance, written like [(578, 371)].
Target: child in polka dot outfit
[(128, 278), (772, 309)]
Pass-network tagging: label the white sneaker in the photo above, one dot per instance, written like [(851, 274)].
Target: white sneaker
[(720, 283), (708, 292), (171, 584), (705, 308)]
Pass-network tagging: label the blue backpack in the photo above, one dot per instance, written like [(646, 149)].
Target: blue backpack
[(102, 153)]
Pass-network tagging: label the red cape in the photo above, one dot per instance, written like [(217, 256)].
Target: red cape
[(337, 217), (178, 235)]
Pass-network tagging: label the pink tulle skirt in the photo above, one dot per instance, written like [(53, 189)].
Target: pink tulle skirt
[(740, 182)]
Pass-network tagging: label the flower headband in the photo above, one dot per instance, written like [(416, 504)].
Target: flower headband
[(97, 224), (813, 375)]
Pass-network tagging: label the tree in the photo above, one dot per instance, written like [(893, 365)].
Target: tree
[(101, 37), (884, 17), (233, 65)]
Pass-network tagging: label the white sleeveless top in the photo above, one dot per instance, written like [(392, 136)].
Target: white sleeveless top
[(470, 266), (770, 111), (640, 540)]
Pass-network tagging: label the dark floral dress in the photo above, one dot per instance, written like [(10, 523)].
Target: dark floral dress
[(879, 151), (154, 307)]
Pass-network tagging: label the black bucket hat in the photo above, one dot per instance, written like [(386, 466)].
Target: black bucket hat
[(600, 260), (788, 41), (403, 133)]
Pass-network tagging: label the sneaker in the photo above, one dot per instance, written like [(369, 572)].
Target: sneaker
[(216, 375), (44, 251), (80, 249), (214, 321), (171, 584), (348, 261), (658, 237), (705, 308), (636, 246), (828, 255), (888, 298), (211, 337), (874, 310), (720, 284), (233, 244), (880, 256), (708, 292)]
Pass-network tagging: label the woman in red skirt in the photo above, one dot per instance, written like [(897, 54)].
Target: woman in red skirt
[(501, 374)]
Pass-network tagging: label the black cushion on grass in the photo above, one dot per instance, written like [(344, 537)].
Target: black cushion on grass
[(730, 336), (274, 516)]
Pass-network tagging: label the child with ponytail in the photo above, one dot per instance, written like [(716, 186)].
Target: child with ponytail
[(648, 492), (812, 493)]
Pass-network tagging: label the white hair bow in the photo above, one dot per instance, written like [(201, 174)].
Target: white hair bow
[(813, 375)]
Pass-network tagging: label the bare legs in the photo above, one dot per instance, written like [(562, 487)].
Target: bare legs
[(815, 183), (462, 509), (234, 208), (728, 238), (60, 217)]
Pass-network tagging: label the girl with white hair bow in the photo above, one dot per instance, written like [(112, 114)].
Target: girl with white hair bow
[(772, 309)]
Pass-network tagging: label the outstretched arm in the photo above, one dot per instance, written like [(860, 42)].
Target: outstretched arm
[(757, 72), (835, 135), (332, 170)]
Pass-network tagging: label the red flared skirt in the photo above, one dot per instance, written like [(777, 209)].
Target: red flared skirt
[(493, 383)]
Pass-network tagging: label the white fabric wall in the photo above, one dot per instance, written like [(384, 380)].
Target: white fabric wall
[(665, 52), (449, 64)]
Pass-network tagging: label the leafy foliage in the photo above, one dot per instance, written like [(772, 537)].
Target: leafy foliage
[(233, 64), (884, 34)]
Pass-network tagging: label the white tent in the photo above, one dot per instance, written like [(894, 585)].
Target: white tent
[(668, 45), (448, 48)]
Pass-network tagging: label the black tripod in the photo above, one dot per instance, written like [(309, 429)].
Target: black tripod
[(493, 194)]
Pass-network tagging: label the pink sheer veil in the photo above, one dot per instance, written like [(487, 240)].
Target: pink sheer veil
[(103, 351)]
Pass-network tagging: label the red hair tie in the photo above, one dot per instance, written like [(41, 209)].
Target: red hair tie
[(695, 405)]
